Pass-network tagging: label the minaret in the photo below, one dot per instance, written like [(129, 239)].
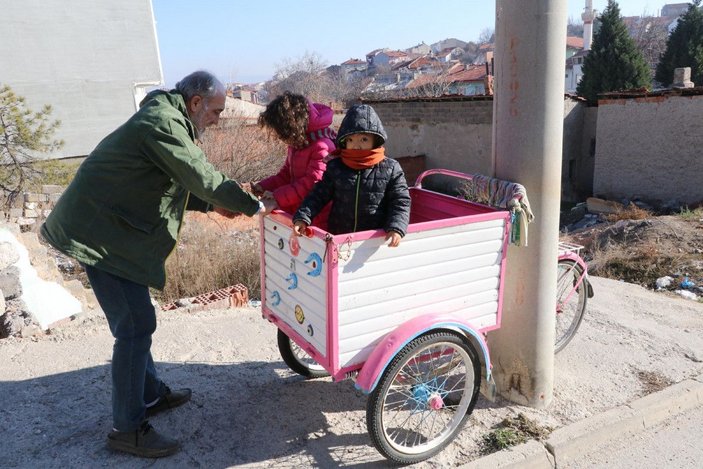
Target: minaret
[(588, 16)]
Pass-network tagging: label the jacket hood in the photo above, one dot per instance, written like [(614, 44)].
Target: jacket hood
[(175, 99), (360, 118), (320, 116)]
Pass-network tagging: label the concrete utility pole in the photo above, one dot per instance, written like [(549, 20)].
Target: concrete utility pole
[(528, 121)]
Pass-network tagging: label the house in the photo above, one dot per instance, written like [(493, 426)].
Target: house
[(388, 58), (448, 44), (449, 54), (574, 71), (371, 57), (460, 79), (424, 64), (353, 69), (420, 49), (91, 60), (245, 93), (485, 53), (573, 45), (470, 81)]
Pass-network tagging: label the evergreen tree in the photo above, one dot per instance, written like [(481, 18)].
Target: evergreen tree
[(614, 62), (23, 135), (684, 48)]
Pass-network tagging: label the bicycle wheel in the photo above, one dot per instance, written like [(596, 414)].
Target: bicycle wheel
[(298, 359), (571, 302), (424, 397)]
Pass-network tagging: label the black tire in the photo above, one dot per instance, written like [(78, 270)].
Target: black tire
[(297, 359), (432, 382), (571, 307)]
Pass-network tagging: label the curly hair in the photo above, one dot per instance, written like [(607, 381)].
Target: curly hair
[(287, 115)]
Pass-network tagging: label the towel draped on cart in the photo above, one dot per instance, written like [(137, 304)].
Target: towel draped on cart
[(503, 194)]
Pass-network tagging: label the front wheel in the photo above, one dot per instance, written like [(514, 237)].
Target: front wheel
[(424, 397), (298, 359), (572, 294)]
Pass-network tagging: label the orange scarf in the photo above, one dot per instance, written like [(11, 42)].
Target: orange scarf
[(361, 159)]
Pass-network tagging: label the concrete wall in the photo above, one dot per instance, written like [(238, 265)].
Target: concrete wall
[(454, 134), (650, 148), (578, 150), (91, 60), (457, 134)]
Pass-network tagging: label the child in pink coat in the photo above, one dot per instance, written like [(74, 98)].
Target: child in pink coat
[(305, 127)]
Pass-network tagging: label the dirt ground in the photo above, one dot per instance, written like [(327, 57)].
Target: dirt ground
[(249, 410), (641, 251)]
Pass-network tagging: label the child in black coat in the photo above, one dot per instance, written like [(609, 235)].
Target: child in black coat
[(368, 191)]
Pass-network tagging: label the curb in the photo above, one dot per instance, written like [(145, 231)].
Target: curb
[(578, 439)]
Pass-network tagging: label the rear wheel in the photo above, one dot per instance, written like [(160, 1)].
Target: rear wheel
[(298, 359), (571, 302), (424, 397)]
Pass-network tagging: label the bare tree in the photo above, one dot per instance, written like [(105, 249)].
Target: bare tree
[(487, 36), (650, 34), (574, 28), (309, 76)]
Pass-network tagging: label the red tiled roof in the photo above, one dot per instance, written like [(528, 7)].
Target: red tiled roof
[(471, 73), (354, 62), (574, 41), (423, 61), (396, 53), (422, 80)]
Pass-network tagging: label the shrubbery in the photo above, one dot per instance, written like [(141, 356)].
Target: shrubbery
[(211, 256)]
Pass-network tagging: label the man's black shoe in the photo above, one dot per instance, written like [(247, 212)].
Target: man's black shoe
[(169, 400), (144, 442)]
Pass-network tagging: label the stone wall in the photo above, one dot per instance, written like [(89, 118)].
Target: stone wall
[(35, 207), (648, 148)]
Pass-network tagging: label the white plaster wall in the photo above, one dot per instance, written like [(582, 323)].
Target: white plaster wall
[(88, 59), (650, 148)]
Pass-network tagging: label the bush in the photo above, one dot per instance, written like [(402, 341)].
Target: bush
[(211, 254), (243, 152), (214, 252)]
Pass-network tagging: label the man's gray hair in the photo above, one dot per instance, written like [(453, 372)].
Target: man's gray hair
[(200, 83)]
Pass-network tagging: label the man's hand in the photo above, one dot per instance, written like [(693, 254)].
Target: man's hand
[(256, 189), (269, 206), (225, 213), (395, 238)]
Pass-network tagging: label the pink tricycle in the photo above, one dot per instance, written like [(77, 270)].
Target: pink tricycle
[(407, 324)]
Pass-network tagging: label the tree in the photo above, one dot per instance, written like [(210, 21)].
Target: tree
[(574, 27), (23, 135), (302, 76), (614, 62), (650, 34), (309, 76), (684, 48)]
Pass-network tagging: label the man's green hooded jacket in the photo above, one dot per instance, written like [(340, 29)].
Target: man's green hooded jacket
[(123, 210)]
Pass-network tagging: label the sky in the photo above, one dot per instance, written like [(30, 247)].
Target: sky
[(246, 41)]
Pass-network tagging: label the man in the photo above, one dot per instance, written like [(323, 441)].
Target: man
[(120, 218)]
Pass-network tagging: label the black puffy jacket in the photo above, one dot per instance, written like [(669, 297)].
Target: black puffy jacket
[(366, 199)]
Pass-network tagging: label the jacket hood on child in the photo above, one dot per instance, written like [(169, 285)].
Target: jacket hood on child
[(360, 118), (319, 120)]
